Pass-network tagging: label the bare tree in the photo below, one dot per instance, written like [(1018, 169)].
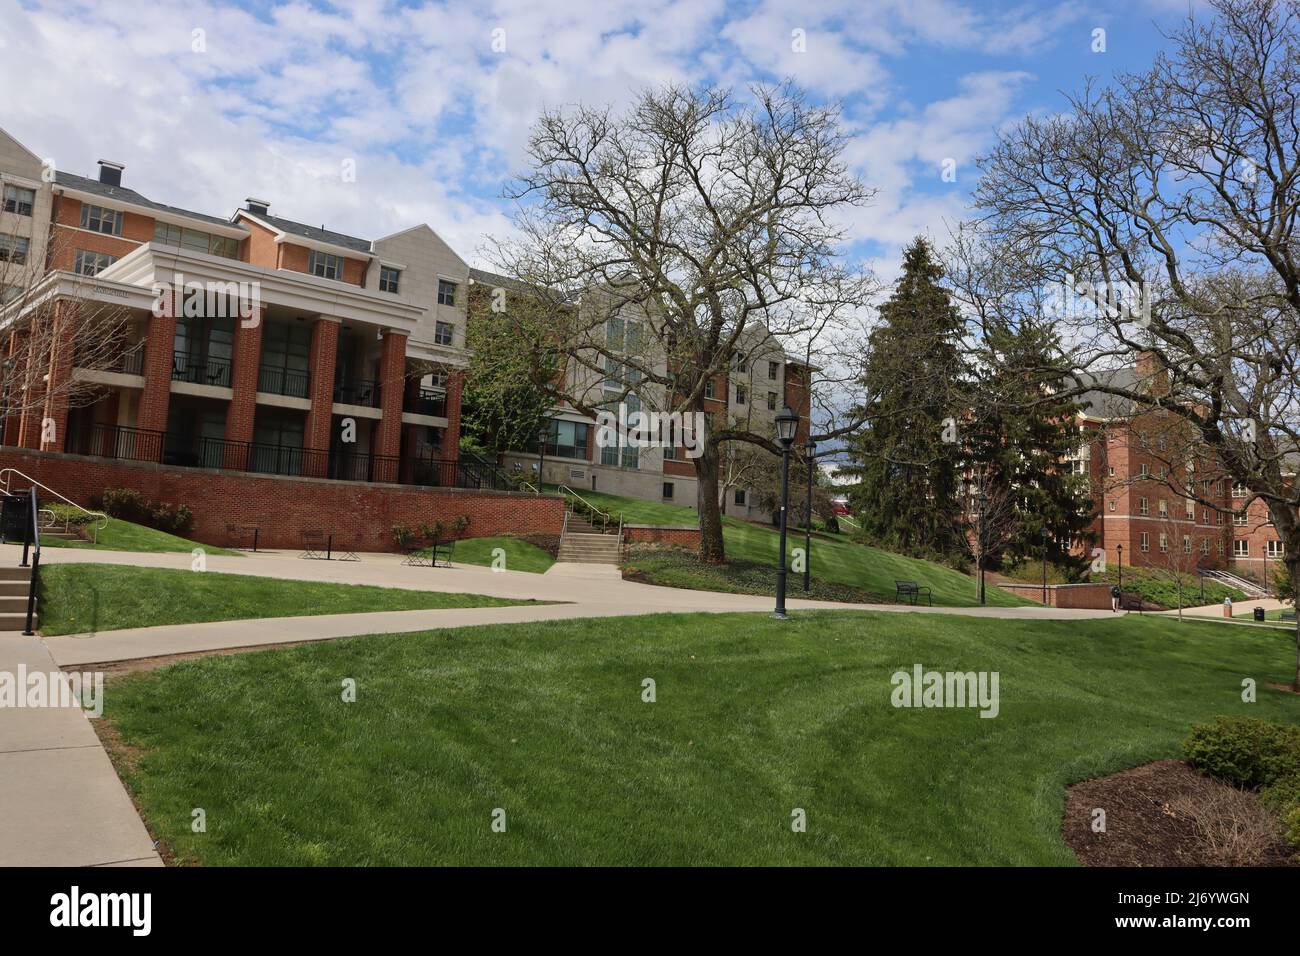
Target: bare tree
[(992, 518), (695, 234), (51, 322), (1162, 212), (1175, 560)]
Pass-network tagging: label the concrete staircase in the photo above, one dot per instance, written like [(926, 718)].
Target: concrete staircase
[(583, 544), (14, 586)]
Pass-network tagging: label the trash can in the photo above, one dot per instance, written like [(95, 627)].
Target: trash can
[(1259, 614)]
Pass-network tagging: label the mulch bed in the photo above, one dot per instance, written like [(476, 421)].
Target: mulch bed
[(1150, 820)]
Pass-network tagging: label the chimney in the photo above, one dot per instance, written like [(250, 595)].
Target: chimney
[(110, 173), (1153, 375), (257, 207)]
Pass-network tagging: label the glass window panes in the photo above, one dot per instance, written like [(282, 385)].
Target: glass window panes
[(389, 279), (442, 333), (14, 249), (446, 292), (324, 265), (99, 219), (19, 200)]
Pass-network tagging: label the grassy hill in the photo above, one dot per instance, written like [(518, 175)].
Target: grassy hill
[(122, 535), (839, 561)]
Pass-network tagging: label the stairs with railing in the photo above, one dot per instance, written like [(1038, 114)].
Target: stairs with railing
[(1245, 585), (590, 535)]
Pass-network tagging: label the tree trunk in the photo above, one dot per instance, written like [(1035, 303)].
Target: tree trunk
[(712, 549), (1293, 568)]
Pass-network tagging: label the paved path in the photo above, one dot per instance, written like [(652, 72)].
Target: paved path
[(589, 591), (61, 803)]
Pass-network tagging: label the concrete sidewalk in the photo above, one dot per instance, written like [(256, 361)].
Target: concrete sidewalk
[(61, 802)]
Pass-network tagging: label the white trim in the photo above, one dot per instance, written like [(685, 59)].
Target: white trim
[(319, 245), (148, 212)]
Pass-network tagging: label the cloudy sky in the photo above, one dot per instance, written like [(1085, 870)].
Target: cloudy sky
[(208, 102)]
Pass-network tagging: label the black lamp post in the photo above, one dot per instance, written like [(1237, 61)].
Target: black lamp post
[(809, 447), (1044, 566), (542, 437), (786, 423), (1119, 549), (982, 502)]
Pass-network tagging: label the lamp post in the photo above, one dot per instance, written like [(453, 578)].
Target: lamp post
[(1119, 549), (1044, 566), (542, 436), (982, 502), (786, 423), (809, 447)]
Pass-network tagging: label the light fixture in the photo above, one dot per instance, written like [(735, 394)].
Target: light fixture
[(787, 422)]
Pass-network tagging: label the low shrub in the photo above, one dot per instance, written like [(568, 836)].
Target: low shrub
[(67, 514), (127, 504), (1245, 750), (1292, 824)]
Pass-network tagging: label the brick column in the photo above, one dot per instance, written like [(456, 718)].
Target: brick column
[(160, 343), (58, 381), (243, 383), (451, 437), (316, 433), (392, 386), (33, 394)]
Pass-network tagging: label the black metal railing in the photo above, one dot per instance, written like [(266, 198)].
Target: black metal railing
[(277, 380), (118, 441), (34, 538), (200, 370), (131, 362), (357, 393), (429, 401)]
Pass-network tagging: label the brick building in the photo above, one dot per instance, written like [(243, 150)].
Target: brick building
[(254, 343), (1159, 497)]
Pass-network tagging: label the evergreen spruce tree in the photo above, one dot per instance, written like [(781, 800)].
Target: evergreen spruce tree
[(1023, 439), (907, 460)]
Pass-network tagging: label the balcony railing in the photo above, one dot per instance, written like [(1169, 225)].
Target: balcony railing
[(139, 444), (277, 380), (129, 360), (118, 441), (211, 370), (429, 401), (357, 393)]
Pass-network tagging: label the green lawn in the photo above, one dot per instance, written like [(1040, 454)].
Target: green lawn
[(124, 536), (77, 598), (753, 719), (1164, 592), (837, 562), (519, 555)]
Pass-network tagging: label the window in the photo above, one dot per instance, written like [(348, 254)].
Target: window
[(1146, 471), (324, 265), (741, 364), (446, 292), (196, 240), (19, 201), (668, 489), (1111, 471), (741, 395), (1205, 516), (773, 370), (1146, 541), (1162, 508), (1112, 504), (708, 389), (99, 219), (442, 333), (620, 457), (1238, 490), (739, 497), (1239, 519), (285, 362), (1273, 549), (13, 249), (1220, 546), (771, 401), (1205, 546), (1164, 543), (1218, 517), (566, 439), (1191, 511), (389, 279), (1187, 544), (1143, 507), (1241, 548), (670, 452), (93, 263)]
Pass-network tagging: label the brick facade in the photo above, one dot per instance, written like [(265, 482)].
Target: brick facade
[(392, 387), (324, 350), (687, 537), (242, 413), (155, 398), (359, 515)]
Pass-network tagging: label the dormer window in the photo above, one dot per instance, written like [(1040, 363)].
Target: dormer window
[(324, 265), (99, 219)]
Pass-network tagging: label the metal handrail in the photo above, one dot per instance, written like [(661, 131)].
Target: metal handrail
[(605, 517), (530, 486), (4, 485), (36, 562)]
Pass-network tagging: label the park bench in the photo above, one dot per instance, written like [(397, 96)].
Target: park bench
[(316, 541), (430, 556), (1287, 616), (912, 591)]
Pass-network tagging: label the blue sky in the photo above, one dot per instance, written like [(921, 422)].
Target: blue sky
[(207, 103)]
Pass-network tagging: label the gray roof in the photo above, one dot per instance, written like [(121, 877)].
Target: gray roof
[(314, 233), (122, 194), (1098, 404)]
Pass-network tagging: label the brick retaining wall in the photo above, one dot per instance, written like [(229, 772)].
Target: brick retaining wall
[(1095, 596), (684, 537), (360, 515)]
